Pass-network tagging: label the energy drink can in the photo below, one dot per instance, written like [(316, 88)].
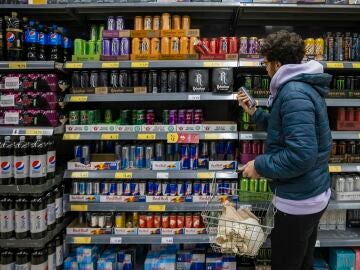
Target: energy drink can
[(173, 188), (104, 188), (132, 156), (75, 188), (83, 117), (244, 184), (112, 189), (157, 188), (139, 157), (111, 24), (120, 220), (219, 188), (180, 188), (85, 154), (196, 188), (142, 188), (263, 185), (165, 117), (253, 185), (134, 188), (150, 187), (149, 156), (184, 156), (89, 188), (165, 188), (96, 188), (77, 153), (125, 158), (188, 188), (119, 188), (181, 117), (212, 188), (169, 156), (234, 187), (120, 23), (74, 117), (126, 188), (205, 188), (189, 117), (159, 151), (226, 187)]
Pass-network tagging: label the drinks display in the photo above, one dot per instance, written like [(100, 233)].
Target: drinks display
[(91, 48)]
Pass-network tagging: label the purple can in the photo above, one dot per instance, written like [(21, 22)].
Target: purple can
[(157, 188), (115, 47), (205, 188), (173, 188), (120, 23), (181, 117), (243, 45), (125, 46), (198, 116), (188, 188), (112, 189), (172, 117), (150, 117), (194, 156), (111, 23), (197, 188), (106, 48), (181, 188), (189, 117), (253, 45)]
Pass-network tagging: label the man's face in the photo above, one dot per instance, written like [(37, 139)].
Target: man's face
[(271, 67)]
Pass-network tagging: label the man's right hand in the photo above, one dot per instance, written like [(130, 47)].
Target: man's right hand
[(243, 102)]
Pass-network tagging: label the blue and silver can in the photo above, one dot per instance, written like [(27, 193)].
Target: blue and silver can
[(119, 188), (132, 156), (234, 187), (149, 156), (197, 188), (157, 188), (181, 188), (150, 187), (112, 189), (104, 188), (82, 188), (125, 158), (194, 156), (159, 151), (205, 188), (219, 188), (96, 188), (173, 188), (77, 153), (184, 157), (127, 188), (89, 188), (85, 154), (165, 188), (142, 188), (134, 188), (139, 157), (188, 188), (75, 188), (226, 187), (118, 149)]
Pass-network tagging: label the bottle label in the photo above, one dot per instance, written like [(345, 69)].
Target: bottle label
[(51, 213), (37, 166), (10, 38), (51, 161), (59, 255), (67, 43), (52, 261), (31, 36), (10, 266), (6, 170), (21, 166), (38, 221), (7, 220), (22, 223), (55, 39), (59, 207), (42, 266), (26, 266), (42, 38)]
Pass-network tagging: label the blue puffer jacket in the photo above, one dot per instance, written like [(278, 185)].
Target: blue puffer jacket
[(299, 138)]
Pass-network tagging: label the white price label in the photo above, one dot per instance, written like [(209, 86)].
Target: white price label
[(162, 175), (16, 132), (115, 240), (12, 83), (167, 240), (7, 101), (246, 136), (11, 118), (317, 243), (358, 168), (194, 97)]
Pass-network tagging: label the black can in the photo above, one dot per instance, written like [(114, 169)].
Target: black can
[(22, 260), (38, 212), (135, 79), (144, 78), (164, 81), (84, 79), (350, 83), (172, 81), (351, 148), (59, 252), (222, 80), (182, 81), (124, 79), (94, 78), (51, 251), (153, 82), (75, 79), (114, 79), (103, 79), (198, 80), (22, 218)]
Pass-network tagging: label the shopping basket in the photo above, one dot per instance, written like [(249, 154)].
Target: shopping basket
[(244, 238)]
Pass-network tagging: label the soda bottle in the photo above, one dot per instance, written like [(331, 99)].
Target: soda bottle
[(43, 43), (38, 156), (59, 213), (59, 252), (22, 260), (38, 211), (7, 260), (51, 159), (2, 47), (21, 162), (51, 212), (6, 161), (67, 46), (31, 42), (55, 42), (22, 218), (13, 38), (51, 250), (6, 218), (39, 260)]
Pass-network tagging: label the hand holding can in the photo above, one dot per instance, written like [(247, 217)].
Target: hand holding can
[(246, 101)]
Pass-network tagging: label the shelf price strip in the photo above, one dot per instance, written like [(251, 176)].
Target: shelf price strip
[(80, 175), (146, 136), (110, 136), (182, 138), (69, 136), (78, 98), (123, 175), (335, 65), (356, 65), (81, 240), (34, 132), (335, 169), (110, 65), (17, 65), (140, 64), (157, 208), (167, 240), (74, 65), (115, 240), (79, 207)]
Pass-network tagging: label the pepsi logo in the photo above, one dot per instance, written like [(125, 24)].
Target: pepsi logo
[(10, 37), (32, 33), (5, 166), (19, 166), (36, 165), (41, 35), (53, 36), (52, 160)]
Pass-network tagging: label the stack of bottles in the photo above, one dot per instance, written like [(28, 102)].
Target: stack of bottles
[(345, 182), (333, 220)]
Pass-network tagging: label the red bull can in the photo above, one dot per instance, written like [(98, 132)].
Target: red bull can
[(132, 156), (184, 156), (165, 188), (139, 157), (134, 188), (181, 188), (96, 188), (89, 188), (126, 188), (150, 187), (77, 153), (125, 158), (104, 188), (205, 188), (75, 188), (142, 188), (82, 188), (219, 188), (149, 156), (112, 189), (157, 188), (173, 188), (188, 188), (226, 187), (85, 154), (196, 188), (234, 187), (194, 156), (119, 188)]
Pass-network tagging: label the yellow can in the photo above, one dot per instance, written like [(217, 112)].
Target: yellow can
[(165, 21), (145, 46), (191, 45), (165, 45), (156, 23), (174, 45), (185, 22), (319, 48), (155, 46), (120, 220), (309, 46), (184, 45), (135, 46), (129, 221), (176, 22), (135, 219), (138, 24), (148, 23)]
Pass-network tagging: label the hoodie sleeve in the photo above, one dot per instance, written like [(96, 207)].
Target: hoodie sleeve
[(300, 149), (260, 118)]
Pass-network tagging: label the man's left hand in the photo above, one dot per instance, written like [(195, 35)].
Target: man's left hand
[(249, 170)]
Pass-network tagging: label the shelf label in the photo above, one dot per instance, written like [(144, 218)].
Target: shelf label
[(167, 240), (182, 138), (157, 208), (194, 97), (162, 175), (115, 240), (17, 65), (34, 132), (249, 63), (205, 175), (212, 136), (335, 169), (78, 98), (317, 243), (123, 175), (246, 136), (139, 64), (110, 136), (11, 118), (214, 64), (80, 175), (69, 136), (7, 101), (16, 132), (81, 240), (335, 65), (110, 65), (74, 65), (78, 207), (12, 83), (174, 137), (146, 136), (356, 65), (358, 168)]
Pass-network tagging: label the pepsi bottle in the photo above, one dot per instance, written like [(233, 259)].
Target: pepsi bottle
[(21, 162), (22, 218), (51, 251), (31, 42), (6, 218), (6, 161), (59, 252), (55, 42), (43, 43), (22, 260), (67, 47), (2, 45), (14, 33), (7, 260), (38, 156), (51, 211), (38, 212), (51, 159), (39, 260)]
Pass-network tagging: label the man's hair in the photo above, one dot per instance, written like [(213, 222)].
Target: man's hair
[(284, 47)]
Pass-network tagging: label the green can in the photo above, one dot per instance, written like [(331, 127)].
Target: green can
[(100, 32), (165, 117), (83, 118), (263, 185), (74, 117), (125, 117), (265, 82), (140, 117), (97, 116), (244, 184), (253, 185), (90, 47), (94, 32), (98, 49), (91, 117), (79, 48), (133, 117), (245, 121), (108, 117), (248, 82)]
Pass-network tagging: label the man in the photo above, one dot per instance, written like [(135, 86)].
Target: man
[(298, 148)]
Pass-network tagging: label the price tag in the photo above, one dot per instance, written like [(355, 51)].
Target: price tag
[(335, 65), (174, 137), (205, 175), (317, 243), (162, 175), (167, 240), (139, 64), (11, 118), (157, 208), (12, 83), (214, 64), (115, 240), (356, 65), (15, 132), (246, 136), (110, 65), (110, 136), (80, 175), (81, 240), (74, 65), (212, 136), (194, 97), (17, 65), (78, 98), (335, 169), (123, 175), (34, 132), (69, 136), (146, 136), (7, 101), (358, 168), (78, 207), (249, 64)]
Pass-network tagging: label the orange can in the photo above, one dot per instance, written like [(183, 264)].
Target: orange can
[(138, 24), (135, 45), (165, 21), (156, 23), (157, 220), (165, 45), (142, 220), (309, 46), (147, 23), (185, 22), (155, 46), (319, 48), (174, 45), (188, 220), (180, 221), (165, 220), (191, 45), (184, 45), (149, 220), (176, 22), (145, 46)]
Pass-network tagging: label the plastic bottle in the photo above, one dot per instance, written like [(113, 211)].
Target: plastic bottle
[(6, 218), (51, 212), (21, 162), (31, 42), (13, 38), (67, 46), (22, 260), (38, 156), (58, 191), (55, 42), (22, 218), (43, 43), (39, 260), (2, 43), (6, 161), (51, 159), (38, 211), (59, 252), (7, 261), (51, 251)]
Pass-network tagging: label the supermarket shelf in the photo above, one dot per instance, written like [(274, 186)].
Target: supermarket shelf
[(327, 64), (336, 135), (29, 65), (31, 131), (150, 97), (35, 243), (344, 167), (148, 174), (29, 189), (348, 238), (331, 102), (337, 205)]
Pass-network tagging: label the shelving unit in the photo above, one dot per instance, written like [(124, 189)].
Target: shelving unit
[(30, 131), (21, 190), (336, 135), (29, 65)]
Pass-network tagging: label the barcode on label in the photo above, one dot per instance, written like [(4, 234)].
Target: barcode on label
[(7, 101), (11, 118), (12, 83)]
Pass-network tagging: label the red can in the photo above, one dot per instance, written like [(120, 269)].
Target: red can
[(198, 117), (214, 45), (201, 47), (196, 220), (142, 220), (165, 221), (149, 220), (263, 147), (223, 45), (189, 116), (350, 114), (341, 114), (180, 220), (157, 220), (246, 147), (233, 45), (172, 221), (357, 114), (188, 220), (206, 42)]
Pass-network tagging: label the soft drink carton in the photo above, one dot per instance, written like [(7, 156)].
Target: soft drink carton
[(342, 259)]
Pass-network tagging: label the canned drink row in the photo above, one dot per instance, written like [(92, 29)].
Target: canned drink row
[(155, 188), (165, 21), (345, 83), (100, 220), (253, 147), (346, 182), (115, 23), (254, 185), (345, 147), (87, 47), (116, 46), (163, 46)]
